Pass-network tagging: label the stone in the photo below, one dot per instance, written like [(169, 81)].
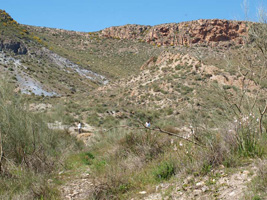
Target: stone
[(142, 192), (197, 192), (200, 184), (204, 189), (232, 194)]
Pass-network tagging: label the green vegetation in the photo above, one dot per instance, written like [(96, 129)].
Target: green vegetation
[(150, 157), (201, 120), (30, 152), (164, 171)]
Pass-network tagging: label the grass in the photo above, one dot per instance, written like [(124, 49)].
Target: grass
[(27, 185), (32, 152)]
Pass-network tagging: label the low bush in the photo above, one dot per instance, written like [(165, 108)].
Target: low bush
[(143, 145), (164, 171)]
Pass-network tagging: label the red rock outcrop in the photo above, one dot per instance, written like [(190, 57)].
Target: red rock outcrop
[(201, 32)]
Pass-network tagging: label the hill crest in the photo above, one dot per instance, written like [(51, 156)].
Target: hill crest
[(202, 32)]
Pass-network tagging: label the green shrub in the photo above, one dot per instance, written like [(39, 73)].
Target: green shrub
[(164, 171), (227, 87), (87, 158), (178, 67), (99, 165), (100, 109), (93, 119), (185, 89), (110, 121), (256, 197), (205, 168), (61, 113), (249, 142), (169, 111)]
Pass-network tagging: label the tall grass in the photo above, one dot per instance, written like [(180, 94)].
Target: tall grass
[(30, 150)]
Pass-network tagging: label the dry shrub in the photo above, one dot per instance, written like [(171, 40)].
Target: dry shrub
[(145, 145), (42, 190), (219, 150), (113, 183), (132, 162), (172, 129)]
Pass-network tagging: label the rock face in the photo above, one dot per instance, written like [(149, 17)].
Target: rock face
[(201, 32), (16, 47)]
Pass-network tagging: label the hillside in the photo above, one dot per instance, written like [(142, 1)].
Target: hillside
[(112, 58), (36, 69), (201, 84), (99, 57)]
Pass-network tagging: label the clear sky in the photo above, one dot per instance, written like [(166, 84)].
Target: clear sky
[(94, 15)]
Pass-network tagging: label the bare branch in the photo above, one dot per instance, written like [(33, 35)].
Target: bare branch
[(1, 151), (262, 114), (170, 133), (142, 126)]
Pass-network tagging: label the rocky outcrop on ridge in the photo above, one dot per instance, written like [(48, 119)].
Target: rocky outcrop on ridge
[(8, 43), (202, 32)]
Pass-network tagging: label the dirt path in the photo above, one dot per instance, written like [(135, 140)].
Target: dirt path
[(78, 185), (77, 188), (220, 186)]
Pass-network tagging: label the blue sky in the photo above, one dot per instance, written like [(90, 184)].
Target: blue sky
[(94, 15)]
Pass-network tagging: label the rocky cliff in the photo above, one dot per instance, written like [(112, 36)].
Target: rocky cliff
[(201, 32), (12, 45)]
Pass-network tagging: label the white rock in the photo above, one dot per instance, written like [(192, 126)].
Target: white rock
[(142, 192), (246, 172), (197, 192), (232, 193), (204, 189), (200, 184)]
